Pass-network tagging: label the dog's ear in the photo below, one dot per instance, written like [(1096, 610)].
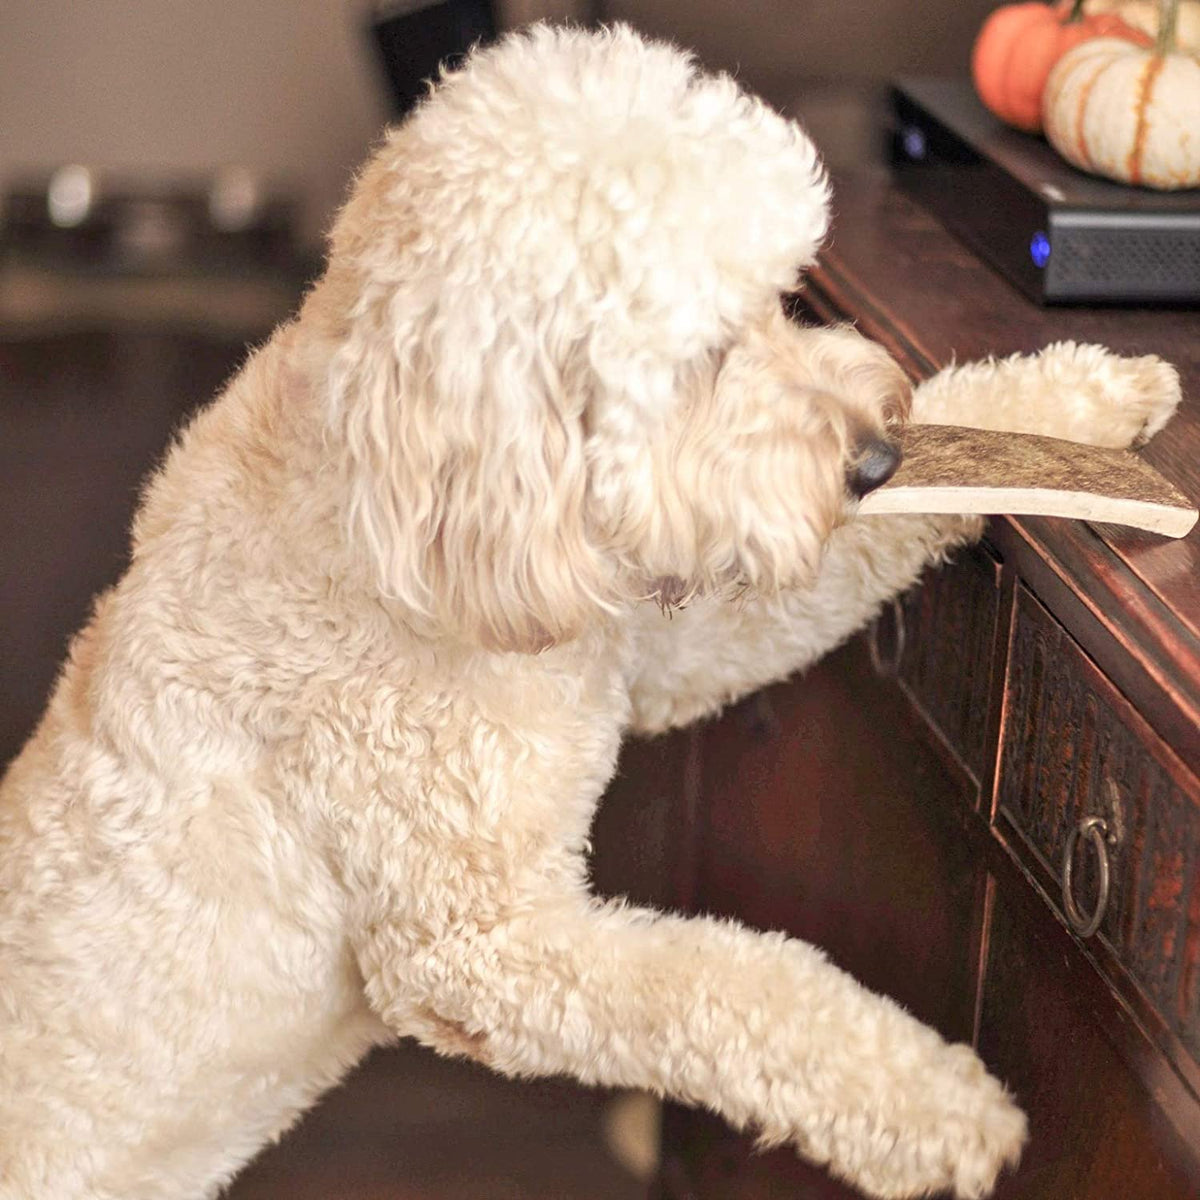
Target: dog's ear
[(464, 446)]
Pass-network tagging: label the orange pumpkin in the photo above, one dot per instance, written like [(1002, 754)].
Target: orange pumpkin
[(1019, 45)]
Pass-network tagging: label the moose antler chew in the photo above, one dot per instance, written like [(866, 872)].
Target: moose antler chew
[(952, 469)]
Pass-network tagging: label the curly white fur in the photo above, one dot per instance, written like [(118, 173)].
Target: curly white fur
[(305, 784)]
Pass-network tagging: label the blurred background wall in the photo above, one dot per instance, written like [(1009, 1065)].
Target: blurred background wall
[(288, 87)]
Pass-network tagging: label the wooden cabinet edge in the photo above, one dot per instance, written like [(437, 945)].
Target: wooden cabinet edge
[(1110, 1010)]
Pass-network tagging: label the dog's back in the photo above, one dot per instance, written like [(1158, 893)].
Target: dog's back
[(174, 981)]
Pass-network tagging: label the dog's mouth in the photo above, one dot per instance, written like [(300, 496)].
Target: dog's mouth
[(669, 592)]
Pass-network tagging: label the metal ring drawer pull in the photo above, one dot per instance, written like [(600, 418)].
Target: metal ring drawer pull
[(887, 666), (1095, 829)]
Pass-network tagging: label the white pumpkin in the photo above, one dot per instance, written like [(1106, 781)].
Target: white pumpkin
[(1127, 112), (1144, 14)]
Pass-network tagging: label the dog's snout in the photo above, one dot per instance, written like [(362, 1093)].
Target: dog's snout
[(874, 463)]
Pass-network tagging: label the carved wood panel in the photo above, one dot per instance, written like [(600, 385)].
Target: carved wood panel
[(949, 651), (1074, 747)]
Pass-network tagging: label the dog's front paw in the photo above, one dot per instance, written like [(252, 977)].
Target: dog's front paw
[(983, 1130), (948, 1126), (1109, 400)]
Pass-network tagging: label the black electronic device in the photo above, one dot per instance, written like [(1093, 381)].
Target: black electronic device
[(414, 38), (1061, 236)]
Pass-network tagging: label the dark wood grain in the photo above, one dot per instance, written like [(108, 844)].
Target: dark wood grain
[(846, 849), (1097, 1132), (705, 1160), (646, 830), (410, 1126), (948, 664), (1139, 643)]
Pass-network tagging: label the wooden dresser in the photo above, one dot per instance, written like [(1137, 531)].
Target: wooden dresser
[(909, 803)]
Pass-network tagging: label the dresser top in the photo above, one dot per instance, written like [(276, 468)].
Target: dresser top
[(891, 267)]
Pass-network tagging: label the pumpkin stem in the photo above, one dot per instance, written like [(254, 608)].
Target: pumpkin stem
[(1076, 13), (1168, 18)]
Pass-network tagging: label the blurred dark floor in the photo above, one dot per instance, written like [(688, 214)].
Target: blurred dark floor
[(411, 1126), (83, 416)]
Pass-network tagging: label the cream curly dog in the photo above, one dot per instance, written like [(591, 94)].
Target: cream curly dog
[(320, 770)]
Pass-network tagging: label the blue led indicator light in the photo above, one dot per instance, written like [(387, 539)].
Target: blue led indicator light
[(913, 139), (1039, 249)]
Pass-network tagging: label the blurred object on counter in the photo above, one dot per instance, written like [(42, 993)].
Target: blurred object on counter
[(415, 37), (170, 91), (81, 248), (79, 219)]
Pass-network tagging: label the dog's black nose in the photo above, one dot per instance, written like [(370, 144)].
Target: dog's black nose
[(874, 463)]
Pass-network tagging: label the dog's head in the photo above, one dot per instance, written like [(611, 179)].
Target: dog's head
[(561, 378)]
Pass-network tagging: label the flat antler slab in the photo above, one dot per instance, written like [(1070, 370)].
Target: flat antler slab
[(952, 469)]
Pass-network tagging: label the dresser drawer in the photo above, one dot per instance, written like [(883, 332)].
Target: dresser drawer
[(1073, 750), (940, 641)]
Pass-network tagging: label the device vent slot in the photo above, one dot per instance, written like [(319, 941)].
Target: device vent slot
[(1099, 257)]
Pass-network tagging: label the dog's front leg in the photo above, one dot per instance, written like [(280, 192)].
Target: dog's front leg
[(759, 1028), (691, 663)]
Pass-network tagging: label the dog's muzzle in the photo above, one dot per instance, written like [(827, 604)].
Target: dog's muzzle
[(874, 463)]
